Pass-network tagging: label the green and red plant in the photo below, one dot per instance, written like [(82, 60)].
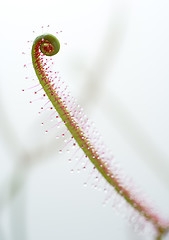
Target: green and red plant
[(85, 136)]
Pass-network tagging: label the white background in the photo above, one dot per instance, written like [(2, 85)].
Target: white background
[(116, 64)]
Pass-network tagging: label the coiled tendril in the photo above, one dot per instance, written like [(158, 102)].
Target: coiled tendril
[(49, 46)]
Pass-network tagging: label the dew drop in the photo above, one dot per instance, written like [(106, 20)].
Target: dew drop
[(96, 178), (71, 170), (85, 184), (60, 151), (121, 192)]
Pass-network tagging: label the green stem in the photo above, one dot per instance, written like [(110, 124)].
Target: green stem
[(49, 45), (162, 233)]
